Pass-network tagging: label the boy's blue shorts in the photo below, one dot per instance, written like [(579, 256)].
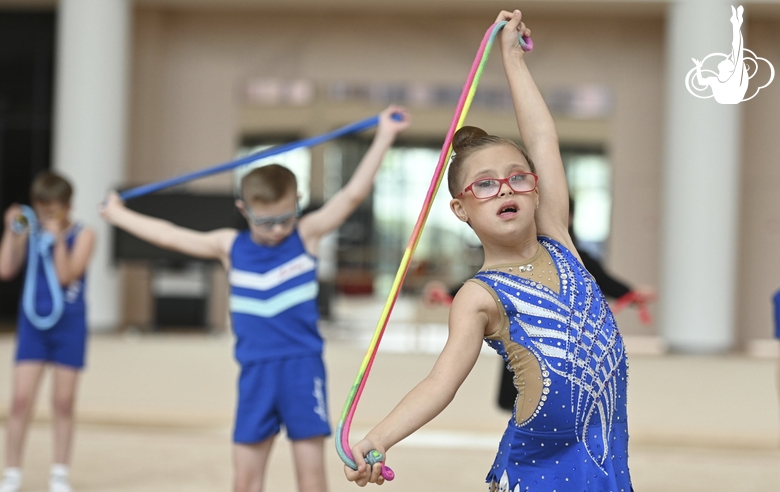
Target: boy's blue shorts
[(289, 392), (65, 343)]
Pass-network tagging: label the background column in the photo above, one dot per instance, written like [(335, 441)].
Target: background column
[(90, 128), (701, 185)]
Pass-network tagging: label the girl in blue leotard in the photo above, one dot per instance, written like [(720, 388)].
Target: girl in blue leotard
[(533, 302), (52, 320)]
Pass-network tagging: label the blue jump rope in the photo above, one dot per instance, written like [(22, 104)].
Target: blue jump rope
[(39, 241), (355, 127)]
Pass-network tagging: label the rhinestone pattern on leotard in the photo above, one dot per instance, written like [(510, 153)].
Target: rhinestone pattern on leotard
[(573, 335)]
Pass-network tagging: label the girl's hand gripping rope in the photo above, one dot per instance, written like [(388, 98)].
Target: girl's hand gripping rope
[(515, 35), (369, 464)]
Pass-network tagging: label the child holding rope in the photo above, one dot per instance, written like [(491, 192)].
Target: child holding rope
[(57, 338), (535, 304), (272, 274)]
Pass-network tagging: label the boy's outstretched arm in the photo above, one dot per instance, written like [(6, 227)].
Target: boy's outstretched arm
[(214, 245), (467, 322), (336, 210), (538, 132)]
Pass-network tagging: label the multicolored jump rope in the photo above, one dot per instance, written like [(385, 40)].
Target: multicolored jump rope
[(464, 103)]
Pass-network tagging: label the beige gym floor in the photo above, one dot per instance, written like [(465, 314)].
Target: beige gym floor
[(155, 413)]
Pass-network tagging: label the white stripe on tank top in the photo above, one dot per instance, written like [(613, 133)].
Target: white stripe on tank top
[(264, 281)]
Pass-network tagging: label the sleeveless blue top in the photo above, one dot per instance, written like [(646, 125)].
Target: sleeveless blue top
[(576, 437), (273, 299), (73, 293)]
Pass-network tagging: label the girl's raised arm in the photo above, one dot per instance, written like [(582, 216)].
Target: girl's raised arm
[(537, 130)]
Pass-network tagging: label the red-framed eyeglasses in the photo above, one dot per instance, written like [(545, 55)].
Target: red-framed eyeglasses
[(482, 189)]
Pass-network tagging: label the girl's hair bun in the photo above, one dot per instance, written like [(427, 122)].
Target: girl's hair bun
[(465, 136)]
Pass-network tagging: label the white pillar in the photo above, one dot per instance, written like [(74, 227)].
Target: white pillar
[(90, 128), (701, 186)]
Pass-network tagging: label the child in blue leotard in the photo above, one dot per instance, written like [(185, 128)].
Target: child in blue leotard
[(776, 302), (68, 246), (272, 274), (534, 303)]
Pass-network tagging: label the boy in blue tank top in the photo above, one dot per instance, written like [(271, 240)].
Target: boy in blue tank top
[(273, 293), (52, 324)]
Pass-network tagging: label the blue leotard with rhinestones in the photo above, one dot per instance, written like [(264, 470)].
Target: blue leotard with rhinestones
[(576, 438)]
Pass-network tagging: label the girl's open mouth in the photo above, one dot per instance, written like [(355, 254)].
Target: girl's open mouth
[(508, 209)]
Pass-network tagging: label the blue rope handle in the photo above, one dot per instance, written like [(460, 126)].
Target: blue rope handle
[(355, 127), (39, 242)]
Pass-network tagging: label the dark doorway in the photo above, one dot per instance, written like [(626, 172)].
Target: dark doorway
[(26, 82)]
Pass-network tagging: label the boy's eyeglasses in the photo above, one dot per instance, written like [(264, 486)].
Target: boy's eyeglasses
[(268, 223), (490, 187)]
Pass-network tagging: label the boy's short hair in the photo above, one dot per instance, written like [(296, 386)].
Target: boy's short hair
[(267, 184), (50, 187)]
